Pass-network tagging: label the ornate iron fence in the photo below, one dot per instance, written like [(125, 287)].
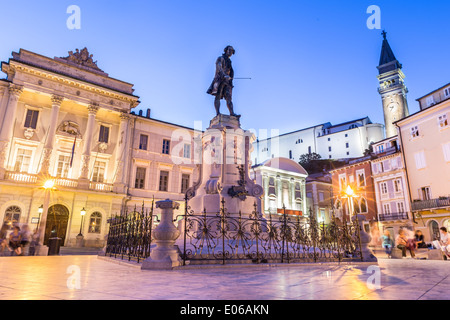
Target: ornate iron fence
[(224, 237), (235, 238), (130, 235)]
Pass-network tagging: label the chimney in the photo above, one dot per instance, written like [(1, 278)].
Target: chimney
[(140, 113), (148, 113)]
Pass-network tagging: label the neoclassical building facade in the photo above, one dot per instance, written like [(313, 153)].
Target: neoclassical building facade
[(66, 120)]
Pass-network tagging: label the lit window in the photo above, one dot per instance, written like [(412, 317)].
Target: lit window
[(443, 122), (184, 183), (98, 174), (140, 178), (414, 132), (12, 216), (163, 181), (62, 170), (95, 222), (23, 160)]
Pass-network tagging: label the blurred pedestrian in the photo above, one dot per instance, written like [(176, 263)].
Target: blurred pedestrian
[(25, 237), (411, 244), (387, 243), (4, 238), (34, 241), (14, 241), (402, 243), (444, 241)]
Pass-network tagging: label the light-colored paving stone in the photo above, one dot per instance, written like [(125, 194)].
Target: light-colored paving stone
[(29, 278)]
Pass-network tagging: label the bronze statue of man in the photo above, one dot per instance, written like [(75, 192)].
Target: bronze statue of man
[(222, 85)]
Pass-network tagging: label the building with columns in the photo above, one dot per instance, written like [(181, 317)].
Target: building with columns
[(66, 120), (284, 184)]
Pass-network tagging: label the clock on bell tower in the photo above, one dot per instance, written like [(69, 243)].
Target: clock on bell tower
[(392, 88)]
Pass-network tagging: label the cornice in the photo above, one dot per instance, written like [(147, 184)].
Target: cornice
[(77, 83)]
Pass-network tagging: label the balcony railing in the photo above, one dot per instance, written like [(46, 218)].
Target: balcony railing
[(431, 204), (393, 216), (28, 178)]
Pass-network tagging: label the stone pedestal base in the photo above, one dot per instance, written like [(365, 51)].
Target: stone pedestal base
[(162, 258), (80, 241)]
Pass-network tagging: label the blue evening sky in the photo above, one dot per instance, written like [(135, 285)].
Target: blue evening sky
[(310, 61)]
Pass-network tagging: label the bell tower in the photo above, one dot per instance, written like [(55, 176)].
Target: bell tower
[(392, 88)]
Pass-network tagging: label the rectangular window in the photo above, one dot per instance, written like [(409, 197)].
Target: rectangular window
[(62, 169), (361, 176), (329, 149), (400, 207), (98, 174), (347, 145), (140, 178), (414, 132), (321, 196), (31, 119), (397, 185), (104, 134), (342, 181), (290, 154), (383, 188), (23, 160), (184, 183), (164, 181), (430, 101), (387, 208), (143, 141), (420, 160), (187, 151), (166, 146), (425, 193), (443, 122), (447, 92)]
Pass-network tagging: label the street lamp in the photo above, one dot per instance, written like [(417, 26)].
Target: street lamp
[(82, 212), (43, 211)]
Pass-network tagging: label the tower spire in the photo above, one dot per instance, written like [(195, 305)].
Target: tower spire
[(388, 62)]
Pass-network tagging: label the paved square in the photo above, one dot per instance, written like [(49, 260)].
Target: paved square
[(90, 277)]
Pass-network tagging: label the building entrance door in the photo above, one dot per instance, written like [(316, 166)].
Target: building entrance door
[(56, 226)]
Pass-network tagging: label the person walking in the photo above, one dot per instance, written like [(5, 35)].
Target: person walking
[(387, 243), (25, 237)]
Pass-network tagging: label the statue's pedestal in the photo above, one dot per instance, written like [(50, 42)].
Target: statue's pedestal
[(224, 170), (165, 256)]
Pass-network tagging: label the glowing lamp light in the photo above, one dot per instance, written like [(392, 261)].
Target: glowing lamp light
[(41, 209), (83, 211), (49, 184), (350, 191)]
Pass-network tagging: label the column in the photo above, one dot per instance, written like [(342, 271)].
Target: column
[(49, 143), (121, 152), (7, 127), (266, 193), (87, 146)]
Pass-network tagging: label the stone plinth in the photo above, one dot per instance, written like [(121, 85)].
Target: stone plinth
[(224, 169), (165, 256)]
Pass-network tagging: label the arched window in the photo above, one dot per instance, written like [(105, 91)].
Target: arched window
[(95, 222), (363, 205), (12, 216)]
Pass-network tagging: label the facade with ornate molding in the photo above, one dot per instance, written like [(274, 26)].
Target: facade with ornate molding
[(66, 120)]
